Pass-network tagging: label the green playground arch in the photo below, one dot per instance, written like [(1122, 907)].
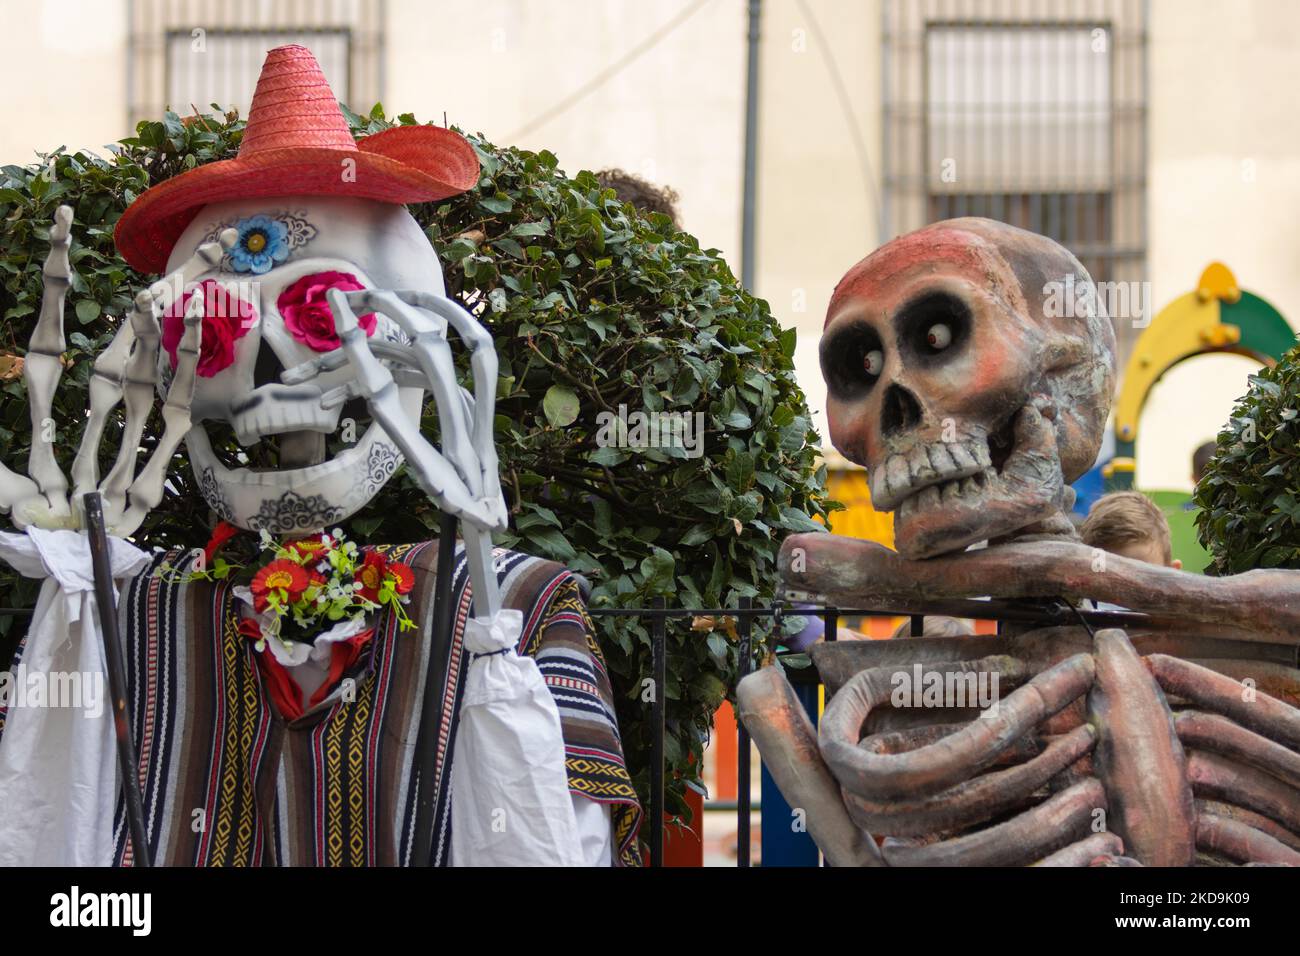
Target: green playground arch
[(1217, 316)]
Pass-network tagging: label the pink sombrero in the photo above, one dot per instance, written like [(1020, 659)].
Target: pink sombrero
[(295, 144)]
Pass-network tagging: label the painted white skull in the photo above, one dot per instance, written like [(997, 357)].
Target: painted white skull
[(266, 313), (969, 396)]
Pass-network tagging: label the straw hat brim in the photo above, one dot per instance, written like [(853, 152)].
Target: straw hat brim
[(405, 164)]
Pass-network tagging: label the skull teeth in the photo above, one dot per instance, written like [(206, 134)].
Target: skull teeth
[(929, 475), (963, 457)]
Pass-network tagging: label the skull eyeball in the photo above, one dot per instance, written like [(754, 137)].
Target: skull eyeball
[(969, 397)]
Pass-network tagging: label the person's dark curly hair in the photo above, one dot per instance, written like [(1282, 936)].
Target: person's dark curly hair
[(641, 193)]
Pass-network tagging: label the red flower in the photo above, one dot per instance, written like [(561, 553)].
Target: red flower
[(307, 315), (222, 533), (226, 318), (402, 575), (286, 577), (370, 576)]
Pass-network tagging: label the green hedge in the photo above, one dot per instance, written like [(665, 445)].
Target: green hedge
[(1249, 495), (592, 305)]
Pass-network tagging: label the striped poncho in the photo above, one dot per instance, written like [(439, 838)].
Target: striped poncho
[(227, 781)]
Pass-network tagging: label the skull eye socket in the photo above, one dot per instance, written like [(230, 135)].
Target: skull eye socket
[(935, 324), (853, 359)]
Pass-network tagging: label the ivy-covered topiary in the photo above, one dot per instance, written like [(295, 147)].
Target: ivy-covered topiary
[(1249, 495), (594, 308)]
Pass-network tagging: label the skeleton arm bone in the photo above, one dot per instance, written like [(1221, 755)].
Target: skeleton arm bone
[(1259, 605), (786, 739), (439, 478)]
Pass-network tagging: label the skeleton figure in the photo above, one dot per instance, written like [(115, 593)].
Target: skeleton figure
[(284, 319), (1171, 740)]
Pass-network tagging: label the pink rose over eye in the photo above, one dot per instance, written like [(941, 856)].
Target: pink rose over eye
[(226, 319), (307, 315)]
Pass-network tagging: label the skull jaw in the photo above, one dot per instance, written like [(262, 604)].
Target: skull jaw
[(300, 500), (928, 531), (1023, 494)]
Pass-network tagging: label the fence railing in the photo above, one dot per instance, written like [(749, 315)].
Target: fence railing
[(1044, 614)]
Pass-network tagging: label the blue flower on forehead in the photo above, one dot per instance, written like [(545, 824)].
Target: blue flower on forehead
[(262, 243)]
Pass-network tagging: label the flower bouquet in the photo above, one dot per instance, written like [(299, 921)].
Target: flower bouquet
[(304, 588)]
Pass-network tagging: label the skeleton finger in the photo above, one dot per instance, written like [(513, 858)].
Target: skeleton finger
[(105, 392), (342, 394), (483, 363), (433, 473), (109, 374), (206, 258), (1034, 834), (333, 361), (147, 489), (1139, 757), (42, 369), (138, 383), (429, 342)]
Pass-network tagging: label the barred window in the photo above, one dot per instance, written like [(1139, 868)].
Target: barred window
[(1027, 111), (187, 56)]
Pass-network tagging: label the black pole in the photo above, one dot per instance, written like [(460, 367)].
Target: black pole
[(106, 607), (750, 186), (439, 647), (742, 747), (659, 667)]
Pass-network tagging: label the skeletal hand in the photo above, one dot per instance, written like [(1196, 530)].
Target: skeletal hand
[(461, 477), (126, 371)]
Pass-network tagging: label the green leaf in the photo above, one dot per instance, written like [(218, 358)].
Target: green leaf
[(657, 571), (87, 311), (560, 405)]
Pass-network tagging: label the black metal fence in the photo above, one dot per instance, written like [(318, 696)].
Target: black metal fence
[(1041, 614)]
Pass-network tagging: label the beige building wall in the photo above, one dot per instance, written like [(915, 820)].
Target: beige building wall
[(1223, 179), (1224, 183), (819, 177), (513, 71), (63, 73), (659, 90)]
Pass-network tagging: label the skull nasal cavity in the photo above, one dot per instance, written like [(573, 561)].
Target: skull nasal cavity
[(268, 368), (902, 411)]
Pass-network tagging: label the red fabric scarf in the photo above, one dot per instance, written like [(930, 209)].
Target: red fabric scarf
[(285, 693)]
